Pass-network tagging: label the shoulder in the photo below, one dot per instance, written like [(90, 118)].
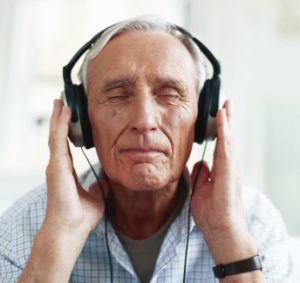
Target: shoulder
[(20, 223), (261, 214), (267, 227)]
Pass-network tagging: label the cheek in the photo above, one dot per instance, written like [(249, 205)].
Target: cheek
[(182, 136), (175, 126), (106, 124), (183, 121)]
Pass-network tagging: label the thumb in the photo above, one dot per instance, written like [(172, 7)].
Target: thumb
[(200, 175)]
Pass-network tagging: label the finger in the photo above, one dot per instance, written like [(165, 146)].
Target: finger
[(78, 185), (57, 106), (224, 135), (69, 150), (58, 137), (213, 169), (228, 107), (59, 170), (229, 114), (215, 153), (200, 174)]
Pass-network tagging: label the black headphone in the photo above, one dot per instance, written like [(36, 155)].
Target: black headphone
[(74, 96)]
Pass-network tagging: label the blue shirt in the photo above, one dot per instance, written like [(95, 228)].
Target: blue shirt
[(21, 222)]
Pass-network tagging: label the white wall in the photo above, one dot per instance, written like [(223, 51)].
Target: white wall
[(37, 39), (258, 43)]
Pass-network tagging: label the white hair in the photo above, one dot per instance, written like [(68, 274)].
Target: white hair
[(143, 23)]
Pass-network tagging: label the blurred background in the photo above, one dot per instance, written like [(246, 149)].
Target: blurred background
[(257, 42)]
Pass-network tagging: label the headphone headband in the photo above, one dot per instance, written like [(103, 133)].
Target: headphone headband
[(212, 59), (74, 96), (67, 70)]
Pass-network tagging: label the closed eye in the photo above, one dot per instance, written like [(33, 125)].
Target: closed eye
[(118, 94), (168, 93)]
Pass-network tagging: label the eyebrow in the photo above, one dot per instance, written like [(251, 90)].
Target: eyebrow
[(158, 81), (171, 82), (118, 83)]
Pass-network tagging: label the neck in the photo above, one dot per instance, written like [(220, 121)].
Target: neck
[(139, 215)]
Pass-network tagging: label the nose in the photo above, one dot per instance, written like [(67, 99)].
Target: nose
[(144, 114)]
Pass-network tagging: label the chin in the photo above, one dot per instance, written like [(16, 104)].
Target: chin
[(145, 183), (145, 178)]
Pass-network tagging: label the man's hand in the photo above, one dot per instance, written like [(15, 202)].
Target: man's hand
[(69, 207), (72, 213), (217, 202)]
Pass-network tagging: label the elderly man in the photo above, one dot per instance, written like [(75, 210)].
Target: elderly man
[(142, 84)]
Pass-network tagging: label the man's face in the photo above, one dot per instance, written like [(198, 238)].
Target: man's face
[(142, 104)]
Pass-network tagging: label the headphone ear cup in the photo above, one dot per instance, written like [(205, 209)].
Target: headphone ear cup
[(203, 112), (80, 132), (69, 98), (208, 106), (215, 96), (84, 117)]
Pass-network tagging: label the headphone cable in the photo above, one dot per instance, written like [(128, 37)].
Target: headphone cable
[(105, 217), (189, 215), (188, 222)]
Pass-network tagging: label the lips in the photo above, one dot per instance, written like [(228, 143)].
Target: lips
[(142, 154), (141, 150)]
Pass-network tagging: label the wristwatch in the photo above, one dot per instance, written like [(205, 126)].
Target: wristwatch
[(237, 267)]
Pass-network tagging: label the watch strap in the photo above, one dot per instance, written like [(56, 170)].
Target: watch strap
[(237, 267)]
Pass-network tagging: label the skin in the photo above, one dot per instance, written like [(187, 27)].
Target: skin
[(142, 124), (142, 113)]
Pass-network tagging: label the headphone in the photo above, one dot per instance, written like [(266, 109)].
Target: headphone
[(74, 96)]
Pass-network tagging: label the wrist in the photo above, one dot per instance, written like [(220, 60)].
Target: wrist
[(240, 267), (249, 277), (231, 246), (53, 256)]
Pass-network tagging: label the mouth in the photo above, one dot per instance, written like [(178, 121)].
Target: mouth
[(139, 150), (145, 154)]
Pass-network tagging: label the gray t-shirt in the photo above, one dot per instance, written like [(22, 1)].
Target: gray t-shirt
[(143, 253)]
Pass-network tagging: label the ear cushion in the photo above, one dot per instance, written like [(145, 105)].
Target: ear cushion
[(203, 111), (208, 106), (80, 132), (215, 96), (71, 99), (84, 118)]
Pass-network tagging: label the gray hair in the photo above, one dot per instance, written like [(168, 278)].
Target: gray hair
[(143, 23)]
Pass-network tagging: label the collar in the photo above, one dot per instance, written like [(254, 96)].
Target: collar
[(177, 234), (180, 220)]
